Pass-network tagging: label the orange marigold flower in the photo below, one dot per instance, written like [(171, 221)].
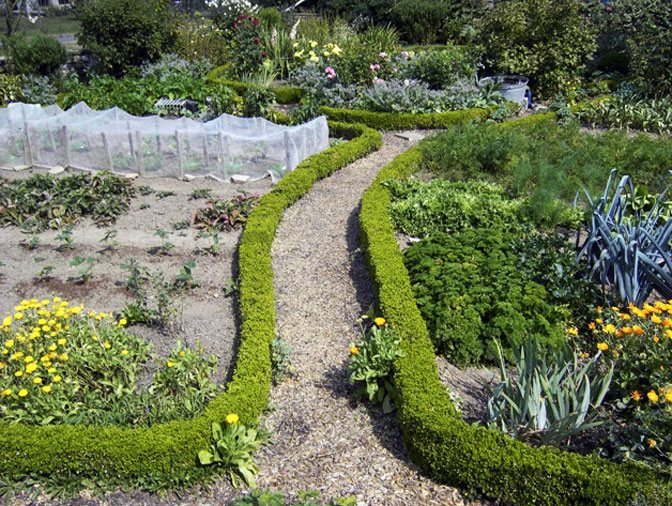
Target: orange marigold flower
[(591, 325), (656, 339), (635, 396), (598, 309), (624, 316), (599, 320), (602, 346), (637, 330), (651, 442), (627, 330), (656, 319), (666, 322)]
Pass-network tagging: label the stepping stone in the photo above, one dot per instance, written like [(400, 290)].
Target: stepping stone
[(188, 178), (56, 170), (132, 176), (410, 136), (21, 167)]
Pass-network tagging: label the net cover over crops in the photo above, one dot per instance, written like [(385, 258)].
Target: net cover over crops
[(151, 146)]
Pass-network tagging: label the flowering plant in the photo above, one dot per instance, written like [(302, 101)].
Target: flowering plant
[(371, 361), (62, 364), (225, 12)]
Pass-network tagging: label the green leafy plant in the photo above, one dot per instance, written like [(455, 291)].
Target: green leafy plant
[(181, 225), (225, 215), (122, 35), (166, 246), (281, 359), (215, 247), (629, 256), (65, 236), (44, 274), (43, 201), (85, 267), (32, 244), (185, 278), (200, 193), (371, 362), (40, 54), (551, 397), (258, 102), (233, 450), (110, 239)]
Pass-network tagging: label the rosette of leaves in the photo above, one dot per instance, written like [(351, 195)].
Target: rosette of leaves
[(371, 362), (232, 450), (225, 215)]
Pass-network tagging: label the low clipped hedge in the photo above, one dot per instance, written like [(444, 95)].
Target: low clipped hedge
[(436, 437), (402, 121), (283, 94), (171, 448)]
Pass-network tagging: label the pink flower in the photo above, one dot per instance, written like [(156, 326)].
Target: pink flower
[(609, 9), (374, 67), (382, 55), (395, 70), (331, 74)]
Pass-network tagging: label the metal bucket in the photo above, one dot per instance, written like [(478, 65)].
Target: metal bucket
[(511, 87)]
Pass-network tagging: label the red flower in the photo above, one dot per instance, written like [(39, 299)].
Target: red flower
[(263, 54), (255, 22), (256, 40)]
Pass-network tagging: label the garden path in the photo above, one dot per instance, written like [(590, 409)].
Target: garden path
[(323, 440)]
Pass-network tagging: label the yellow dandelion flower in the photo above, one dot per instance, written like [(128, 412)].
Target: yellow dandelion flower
[(46, 389), (599, 320), (17, 355), (170, 364), (107, 345), (7, 321), (354, 350), (51, 370), (9, 343), (37, 380), (30, 368), (6, 392), (123, 322), (232, 418), (18, 316), (56, 379), (57, 299), (63, 357), (23, 392), (28, 359), (379, 321), (18, 374), (124, 352), (572, 331)]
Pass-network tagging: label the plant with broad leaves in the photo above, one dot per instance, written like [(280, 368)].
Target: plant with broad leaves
[(232, 450), (628, 253), (372, 359), (226, 215), (551, 397)]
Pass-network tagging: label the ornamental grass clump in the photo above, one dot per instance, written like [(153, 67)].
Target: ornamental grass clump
[(372, 359), (63, 364)]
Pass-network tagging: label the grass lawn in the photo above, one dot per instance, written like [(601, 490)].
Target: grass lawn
[(54, 25)]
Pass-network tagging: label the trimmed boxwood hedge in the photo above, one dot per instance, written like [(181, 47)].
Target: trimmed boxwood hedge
[(436, 437), (170, 448), (283, 94)]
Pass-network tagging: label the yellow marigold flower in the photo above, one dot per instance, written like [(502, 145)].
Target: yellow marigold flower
[(651, 442), (627, 330), (61, 342), (23, 392), (656, 339), (30, 368), (609, 328), (123, 321), (63, 357), (56, 379), (591, 325), (42, 321), (124, 352), (182, 353), (28, 359), (7, 321), (602, 346), (57, 299), (585, 355), (6, 392), (17, 355), (46, 389), (9, 343), (572, 331), (379, 321), (18, 374), (637, 330), (599, 320), (615, 309), (52, 347), (666, 322), (232, 418), (656, 319), (51, 370), (95, 338), (668, 396), (18, 316), (624, 316), (598, 309), (65, 304), (354, 350), (652, 395), (170, 364), (37, 380), (107, 345)]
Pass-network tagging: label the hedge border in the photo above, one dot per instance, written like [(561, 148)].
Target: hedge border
[(437, 439), (123, 453), (283, 94)]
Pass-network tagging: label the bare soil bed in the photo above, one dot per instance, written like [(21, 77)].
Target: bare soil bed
[(207, 315)]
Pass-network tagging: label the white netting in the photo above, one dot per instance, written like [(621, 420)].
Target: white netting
[(152, 146)]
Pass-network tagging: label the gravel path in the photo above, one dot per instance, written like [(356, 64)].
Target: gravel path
[(323, 440)]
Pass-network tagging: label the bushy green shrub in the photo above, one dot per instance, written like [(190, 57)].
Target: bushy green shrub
[(39, 54), (10, 88), (440, 69), (630, 112), (258, 102), (646, 23), (198, 39), (38, 90), (429, 21), (422, 209), (546, 40), (123, 34), (470, 291)]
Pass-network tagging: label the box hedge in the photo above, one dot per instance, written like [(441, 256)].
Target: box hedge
[(170, 448), (449, 449)]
